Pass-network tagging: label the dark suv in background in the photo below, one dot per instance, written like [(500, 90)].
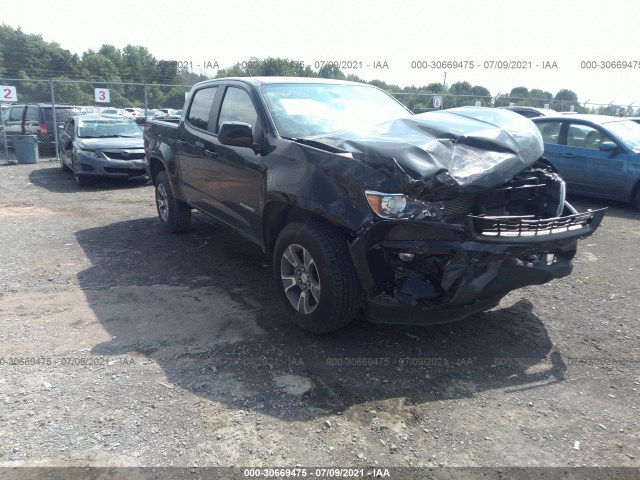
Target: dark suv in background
[(36, 119)]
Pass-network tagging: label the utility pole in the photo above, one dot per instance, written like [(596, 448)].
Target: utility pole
[(444, 82)]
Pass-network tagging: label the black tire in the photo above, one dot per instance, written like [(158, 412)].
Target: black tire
[(637, 198), (332, 295), (174, 215)]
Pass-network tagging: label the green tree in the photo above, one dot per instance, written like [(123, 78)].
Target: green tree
[(564, 99), (331, 71), (100, 67), (520, 95)]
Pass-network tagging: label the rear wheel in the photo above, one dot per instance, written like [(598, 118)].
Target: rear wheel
[(315, 277), (174, 215)]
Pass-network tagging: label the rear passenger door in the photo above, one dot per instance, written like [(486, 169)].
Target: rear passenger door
[(234, 179), (194, 142), (32, 120), (550, 131)]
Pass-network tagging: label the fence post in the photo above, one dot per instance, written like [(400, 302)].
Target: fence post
[(4, 134), (55, 123), (145, 103)]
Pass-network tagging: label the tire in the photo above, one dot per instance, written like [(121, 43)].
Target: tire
[(174, 215), (637, 197), (331, 297)]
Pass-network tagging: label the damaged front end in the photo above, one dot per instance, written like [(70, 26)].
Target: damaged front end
[(436, 269), (478, 215)]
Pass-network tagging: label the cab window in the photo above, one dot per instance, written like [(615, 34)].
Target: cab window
[(585, 136), (237, 107), (201, 107)]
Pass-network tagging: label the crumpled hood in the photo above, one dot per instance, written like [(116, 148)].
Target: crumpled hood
[(442, 154)]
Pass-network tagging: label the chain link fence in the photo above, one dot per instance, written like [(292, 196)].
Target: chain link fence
[(149, 97), (87, 96)]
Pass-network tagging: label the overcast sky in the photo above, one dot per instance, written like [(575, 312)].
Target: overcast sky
[(533, 32)]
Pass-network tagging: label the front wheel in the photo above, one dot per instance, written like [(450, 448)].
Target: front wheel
[(174, 215), (315, 277)]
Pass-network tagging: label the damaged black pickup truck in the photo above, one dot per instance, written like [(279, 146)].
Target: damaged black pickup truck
[(420, 219)]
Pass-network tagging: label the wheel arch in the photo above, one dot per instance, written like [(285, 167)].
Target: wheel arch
[(155, 167), (279, 213)]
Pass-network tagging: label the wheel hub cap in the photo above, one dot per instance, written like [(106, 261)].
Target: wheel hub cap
[(300, 279)]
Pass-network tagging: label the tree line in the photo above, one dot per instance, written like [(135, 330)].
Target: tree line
[(28, 56)]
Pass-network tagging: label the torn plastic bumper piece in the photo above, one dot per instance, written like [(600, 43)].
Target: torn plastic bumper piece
[(455, 272)]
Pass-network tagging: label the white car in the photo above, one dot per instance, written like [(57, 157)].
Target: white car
[(116, 111)]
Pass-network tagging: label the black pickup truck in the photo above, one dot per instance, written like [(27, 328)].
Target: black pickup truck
[(418, 219)]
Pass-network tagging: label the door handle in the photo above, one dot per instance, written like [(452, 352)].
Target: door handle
[(211, 153), (568, 155), (181, 142)]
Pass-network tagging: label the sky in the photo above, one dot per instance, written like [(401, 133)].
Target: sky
[(407, 39)]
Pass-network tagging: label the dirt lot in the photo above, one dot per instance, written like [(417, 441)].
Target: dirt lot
[(122, 345)]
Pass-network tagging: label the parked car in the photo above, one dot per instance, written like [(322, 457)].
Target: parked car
[(134, 112), (146, 115), (88, 109), (96, 145), (597, 155), (164, 112), (420, 219), (531, 112), (116, 111), (36, 119)]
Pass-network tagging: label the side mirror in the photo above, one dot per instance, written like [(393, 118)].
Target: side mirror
[(608, 147), (236, 134), (67, 144)]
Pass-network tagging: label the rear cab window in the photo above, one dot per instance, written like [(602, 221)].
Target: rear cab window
[(200, 109)]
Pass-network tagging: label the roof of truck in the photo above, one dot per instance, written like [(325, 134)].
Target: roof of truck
[(267, 80)]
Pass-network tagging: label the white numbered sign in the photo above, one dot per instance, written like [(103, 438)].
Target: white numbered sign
[(9, 93), (437, 101), (478, 103), (102, 95)]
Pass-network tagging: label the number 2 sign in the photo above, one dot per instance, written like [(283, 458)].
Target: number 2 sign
[(102, 95), (8, 94)]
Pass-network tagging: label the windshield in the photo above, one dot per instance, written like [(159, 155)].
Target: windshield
[(308, 110), (103, 129), (628, 131)]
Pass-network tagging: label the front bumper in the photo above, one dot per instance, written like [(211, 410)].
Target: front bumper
[(99, 167), (451, 271)]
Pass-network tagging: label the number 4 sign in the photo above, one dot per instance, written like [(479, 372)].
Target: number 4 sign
[(102, 95), (9, 93)]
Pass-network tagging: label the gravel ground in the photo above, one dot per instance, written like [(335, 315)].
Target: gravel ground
[(121, 345)]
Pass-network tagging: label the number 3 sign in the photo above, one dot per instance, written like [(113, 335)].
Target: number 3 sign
[(8, 94), (102, 95)]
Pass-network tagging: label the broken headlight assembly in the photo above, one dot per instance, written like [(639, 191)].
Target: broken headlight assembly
[(400, 206)]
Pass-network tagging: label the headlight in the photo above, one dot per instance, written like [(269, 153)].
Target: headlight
[(88, 153), (397, 205)]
